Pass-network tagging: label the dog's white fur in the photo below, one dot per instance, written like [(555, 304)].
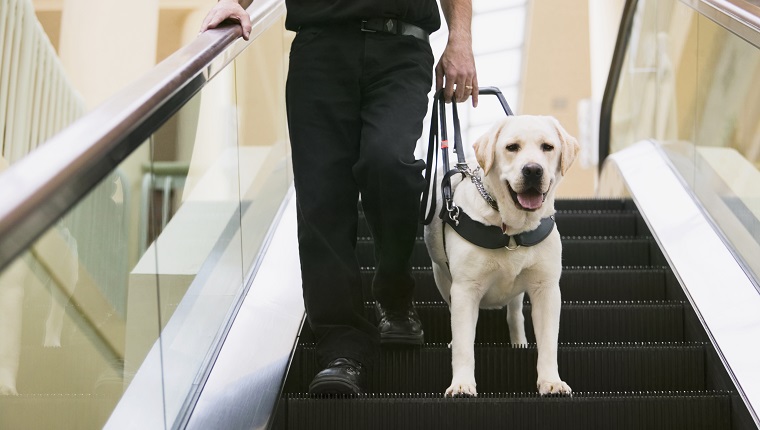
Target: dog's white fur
[(470, 277)]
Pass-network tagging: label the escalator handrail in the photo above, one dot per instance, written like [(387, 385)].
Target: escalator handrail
[(613, 79), (40, 188)]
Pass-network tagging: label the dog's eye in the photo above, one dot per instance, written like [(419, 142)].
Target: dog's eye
[(547, 147), (513, 147)]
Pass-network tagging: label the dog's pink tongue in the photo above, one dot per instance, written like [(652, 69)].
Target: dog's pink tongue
[(530, 199)]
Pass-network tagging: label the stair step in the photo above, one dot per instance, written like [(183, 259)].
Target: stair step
[(501, 368), (576, 251), (584, 204), (577, 283), (620, 411), (579, 322)]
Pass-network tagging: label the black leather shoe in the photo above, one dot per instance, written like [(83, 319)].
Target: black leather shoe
[(342, 376), (399, 327)]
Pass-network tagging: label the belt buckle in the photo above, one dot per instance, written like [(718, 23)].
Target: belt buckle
[(365, 29)]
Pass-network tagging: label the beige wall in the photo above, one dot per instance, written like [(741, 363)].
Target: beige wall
[(556, 74)]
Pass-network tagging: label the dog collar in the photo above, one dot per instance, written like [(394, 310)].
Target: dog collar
[(491, 236)]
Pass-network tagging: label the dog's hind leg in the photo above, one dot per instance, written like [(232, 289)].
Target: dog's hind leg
[(516, 321), (11, 308)]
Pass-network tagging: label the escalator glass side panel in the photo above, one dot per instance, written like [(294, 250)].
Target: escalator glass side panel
[(690, 81), (118, 310), (230, 152)]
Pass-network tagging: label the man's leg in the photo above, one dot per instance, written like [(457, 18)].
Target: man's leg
[(323, 116), (390, 178)]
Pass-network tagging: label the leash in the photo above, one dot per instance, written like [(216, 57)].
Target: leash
[(427, 206), (485, 236)]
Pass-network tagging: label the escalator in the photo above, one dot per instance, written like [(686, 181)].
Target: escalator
[(631, 348), (215, 346)]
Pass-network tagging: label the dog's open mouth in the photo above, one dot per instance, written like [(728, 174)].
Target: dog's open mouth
[(529, 200)]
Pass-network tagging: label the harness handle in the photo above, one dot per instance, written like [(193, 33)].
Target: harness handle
[(427, 205)]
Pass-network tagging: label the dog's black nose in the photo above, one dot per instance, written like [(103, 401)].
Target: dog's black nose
[(532, 172)]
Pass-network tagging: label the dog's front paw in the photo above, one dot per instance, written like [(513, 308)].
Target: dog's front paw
[(462, 389), (553, 387)]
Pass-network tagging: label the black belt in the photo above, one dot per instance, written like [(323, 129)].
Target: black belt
[(393, 26)]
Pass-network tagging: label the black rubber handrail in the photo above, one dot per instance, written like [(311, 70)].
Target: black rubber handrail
[(613, 79), (40, 188)]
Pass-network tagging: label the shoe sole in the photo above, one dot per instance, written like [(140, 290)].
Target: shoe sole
[(402, 339), (334, 386)]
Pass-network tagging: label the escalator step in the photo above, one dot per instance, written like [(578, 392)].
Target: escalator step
[(579, 322), (576, 251), (501, 368), (619, 411), (622, 349), (594, 204), (577, 283)]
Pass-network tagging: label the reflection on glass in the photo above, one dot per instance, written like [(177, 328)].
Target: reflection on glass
[(113, 316), (695, 87), (62, 318), (727, 153)]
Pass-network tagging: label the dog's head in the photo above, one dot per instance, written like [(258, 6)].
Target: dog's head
[(523, 159)]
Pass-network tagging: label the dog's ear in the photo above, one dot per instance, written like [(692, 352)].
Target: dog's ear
[(570, 147), (485, 148)]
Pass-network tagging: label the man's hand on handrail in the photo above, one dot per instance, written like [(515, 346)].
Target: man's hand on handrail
[(224, 10)]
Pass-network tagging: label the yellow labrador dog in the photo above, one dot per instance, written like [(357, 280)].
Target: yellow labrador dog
[(522, 159)]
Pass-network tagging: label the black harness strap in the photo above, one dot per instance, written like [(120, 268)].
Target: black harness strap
[(491, 236)]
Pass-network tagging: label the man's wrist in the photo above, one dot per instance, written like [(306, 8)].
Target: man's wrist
[(460, 38)]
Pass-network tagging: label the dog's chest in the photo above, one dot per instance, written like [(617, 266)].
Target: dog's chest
[(501, 289), (506, 279)]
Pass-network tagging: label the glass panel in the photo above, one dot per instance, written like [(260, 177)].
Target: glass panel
[(633, 110), (161, 246), (695, 87), (678, 92), (62, 316), (263, 139), (728, 136)]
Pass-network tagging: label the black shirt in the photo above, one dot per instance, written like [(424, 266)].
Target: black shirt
[(423, 13)]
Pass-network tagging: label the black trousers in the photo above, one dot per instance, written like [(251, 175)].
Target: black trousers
[(355, 102)]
